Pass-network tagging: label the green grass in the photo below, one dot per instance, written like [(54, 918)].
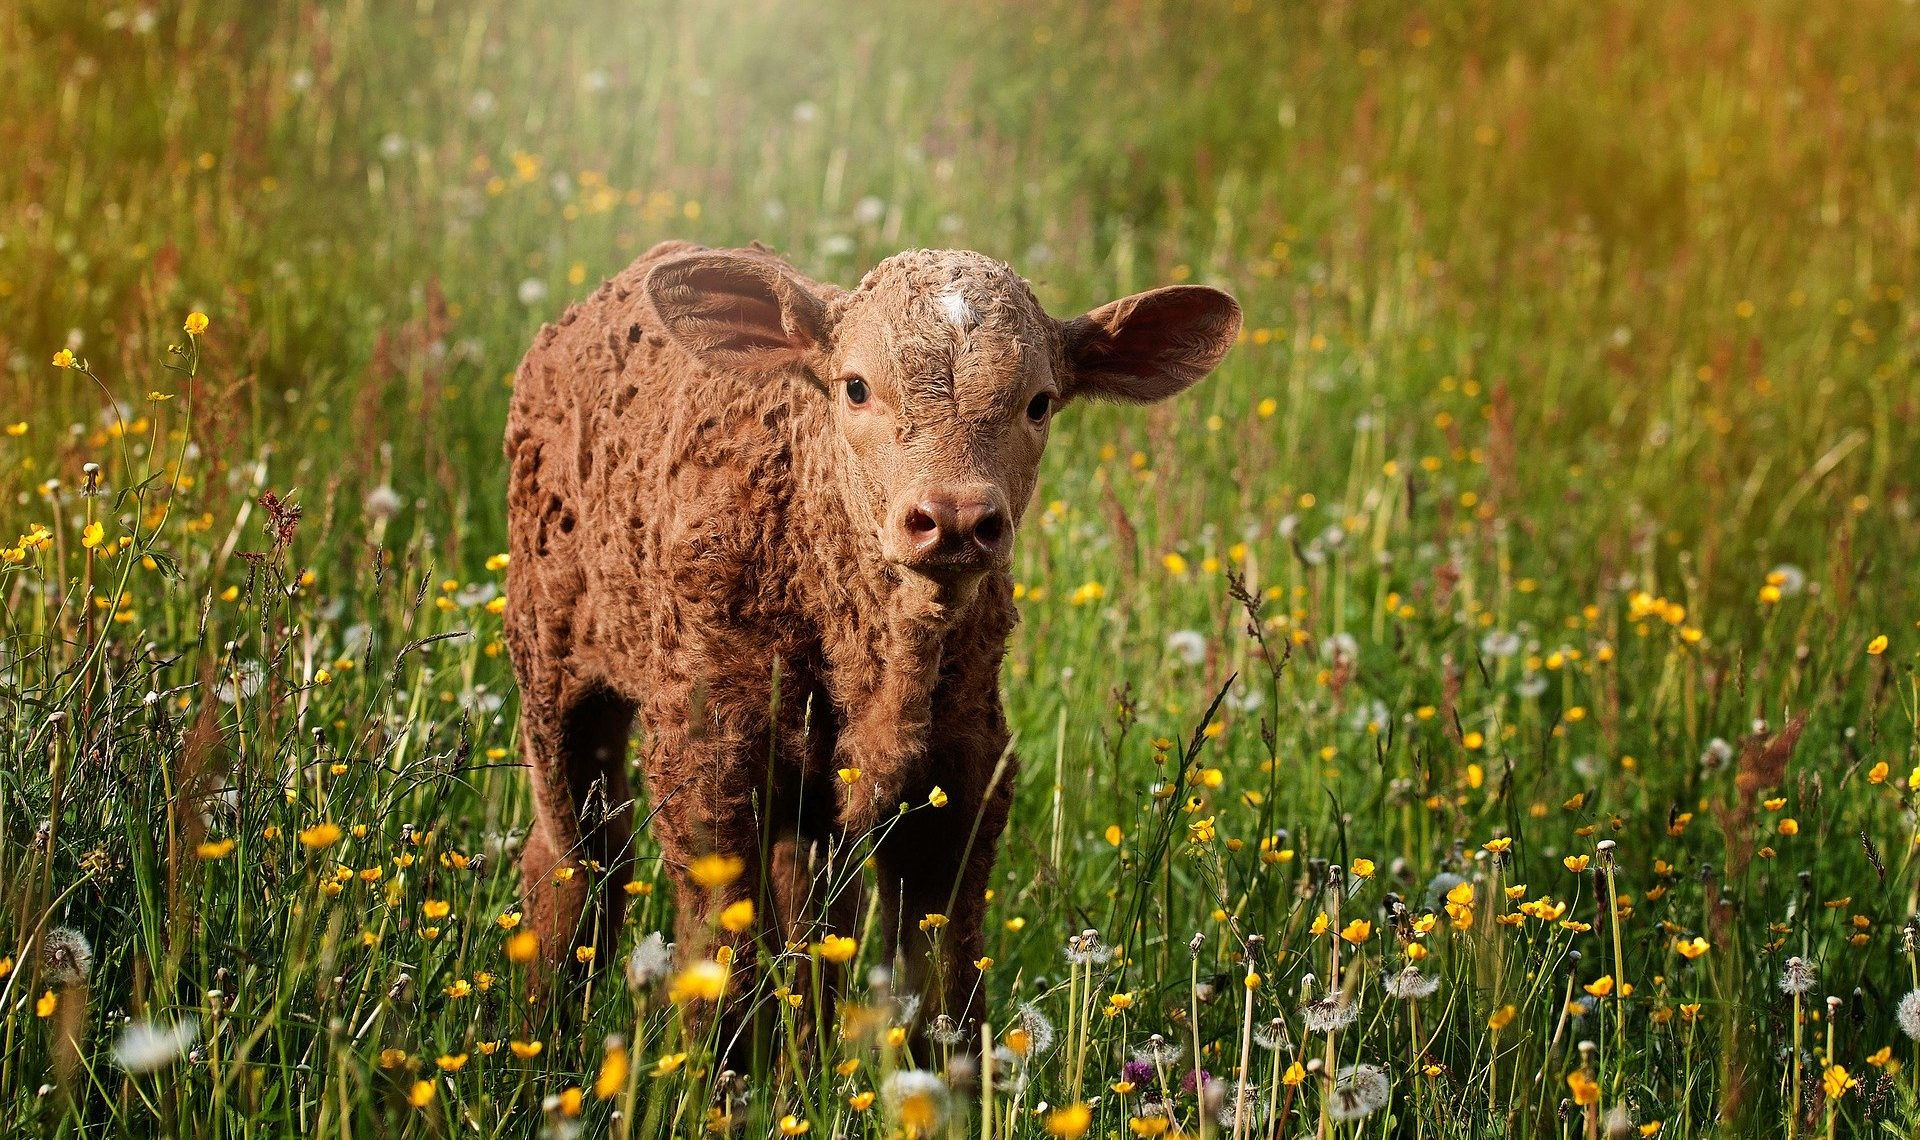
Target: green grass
[(1567, 325)]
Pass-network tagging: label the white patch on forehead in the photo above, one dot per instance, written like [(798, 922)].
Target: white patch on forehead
[(959, 314)]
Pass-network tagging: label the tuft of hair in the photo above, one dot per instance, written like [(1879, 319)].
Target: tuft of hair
[(958, 312)]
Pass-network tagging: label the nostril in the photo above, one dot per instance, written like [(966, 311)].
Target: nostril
[(988, 529), (920, 522)]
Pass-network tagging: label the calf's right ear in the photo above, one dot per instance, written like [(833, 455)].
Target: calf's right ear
[(736, 312)]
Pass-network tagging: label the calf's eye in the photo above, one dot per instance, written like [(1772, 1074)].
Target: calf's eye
[(856, 391), (1039, 407)]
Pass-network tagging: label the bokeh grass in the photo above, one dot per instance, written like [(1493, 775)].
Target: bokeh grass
[(1569, 465)]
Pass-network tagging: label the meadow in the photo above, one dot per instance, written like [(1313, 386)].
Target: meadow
[(1485, 707)]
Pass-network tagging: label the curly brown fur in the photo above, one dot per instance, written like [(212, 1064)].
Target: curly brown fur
[(715, 541)]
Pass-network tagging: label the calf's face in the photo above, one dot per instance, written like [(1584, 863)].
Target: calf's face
[(945, 375)]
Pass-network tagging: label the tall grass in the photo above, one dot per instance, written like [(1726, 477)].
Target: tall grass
[(1527, 603)]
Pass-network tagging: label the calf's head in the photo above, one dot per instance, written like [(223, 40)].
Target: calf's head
[(944, 374)]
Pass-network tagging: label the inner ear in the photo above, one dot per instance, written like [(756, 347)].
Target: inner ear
[(741, 311), (1151, 345)]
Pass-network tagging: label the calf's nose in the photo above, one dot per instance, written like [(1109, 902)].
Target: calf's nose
[(964, 526)]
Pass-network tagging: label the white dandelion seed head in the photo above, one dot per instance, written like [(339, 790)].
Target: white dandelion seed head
[(531, 291), (1158, 1051), (1717, 755), (66, 957), (1797, 977), (650, 961), (1791, 579), (1532, 685), (1341, 648), (144, 1047), (944, 1030), (1908, 1015), (1038, 1029), (382, 503), (1189, 646), (1412, 985), (1500, 643), (1330, 1013), (1358, 1091), (1273, 1036)]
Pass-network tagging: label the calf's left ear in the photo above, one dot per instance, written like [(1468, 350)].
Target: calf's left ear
[(1151, 345)]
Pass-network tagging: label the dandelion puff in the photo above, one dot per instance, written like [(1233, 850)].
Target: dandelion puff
[(1273, 1036), (945, 1031), (1341, 649), (1717, 755), (1035, 1025), (381, 503), (1158, 1052), (1330, 1013), (917, 1098), (66, 957), (1791, 579), (531, 291), (1086, 949), (1798, 977), (650, 961), (1412, 985), (144, 1047), (1358, 1091), (1500, 643), (1908, 1015), (1190, 646)]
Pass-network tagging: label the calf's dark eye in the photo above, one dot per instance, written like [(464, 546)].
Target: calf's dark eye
[(856, 391), (1042, 404)]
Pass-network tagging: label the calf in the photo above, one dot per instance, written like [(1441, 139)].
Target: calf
[(772, 519)]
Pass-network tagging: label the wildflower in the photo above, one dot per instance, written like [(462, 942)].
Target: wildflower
[(861, 1101), (436, 908), (1691, 948), (1585, 1089), (738, 916), (837, 948), (1362, 868), (214, 849), (1330, 1013), (1085, 948), (791, 1125), (66, 956), (46, 1004), (63, 358), (459, 988), (1908, 1015), (1070, 1122), (669, 1064), (522, 945), (583, 954), (1875, 648), (1412, 985), (451, 1062), (421, 1094), (382, 503), (917, 1098), (1157, 1053), (1357, 931), (1798, 976), (321, 835), (1273, 1036), (509, 920), (1501, 1018), (1034, 1024), (711, 872), (1838, 1082), (526, 1050), (1358, 1091), (1600, 987), (1577, 863), (937, 797), (705, 980), (196, 323), (1149, 1125), (144, 1047)]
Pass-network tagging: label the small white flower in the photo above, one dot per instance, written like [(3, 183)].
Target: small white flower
[(1791, 579), (382, 503), (392, 145), (869, 210), (1341, 648), (144, 1047), (1717, 755), (532, 291), (649, 962), (1500, 643)]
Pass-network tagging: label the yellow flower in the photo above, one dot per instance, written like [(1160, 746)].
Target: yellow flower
[(1874, 648), (1879, 1057), (1070, 1122), (1461, 894), (1201, 831), (1878, 773), (1601, 986), (1114, 835), (738, 916), (1789, 826), (436, 908), (836, 948), (1362, 868), (849, 775), (421, 1095), (321, 835), (1577, 863), (526, 1050), (669, 1064), (1150, 1125), (451, 1062), (392, 1058), (1357, 931), (1473, 741), (1294, 1076), (509, 920), (1585, 1089), (1501, 1018), (522, 946), (47, 1003), (861, 1101), (937, 797), (705, 980), (612, 1077), (1320, 924), (92, 536), (196, 323), (214, 849), (1691, 948), (571, 1101), (933, 922), (1837, 1082), (1650, 1128), (63, 358), (1175, 564), (1498, 846), (459, 988), (791, 1125), (712, 872), (583, 954)]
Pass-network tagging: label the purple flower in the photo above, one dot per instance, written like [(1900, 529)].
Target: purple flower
[(1195, 1079), (1139, 1073)]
